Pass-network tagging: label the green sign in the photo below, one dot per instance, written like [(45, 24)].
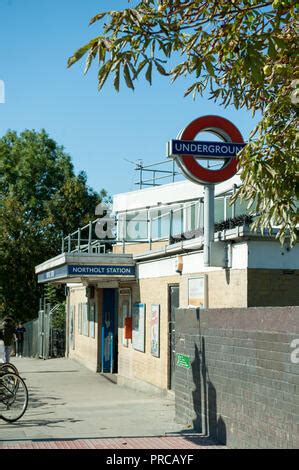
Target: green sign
[(183, 361)]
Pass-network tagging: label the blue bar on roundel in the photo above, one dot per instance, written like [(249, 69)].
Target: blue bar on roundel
[(204, 148)]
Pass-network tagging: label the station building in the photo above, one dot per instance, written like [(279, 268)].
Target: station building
[(122, 294)]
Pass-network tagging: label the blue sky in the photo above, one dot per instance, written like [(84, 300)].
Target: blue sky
[(98, 130)]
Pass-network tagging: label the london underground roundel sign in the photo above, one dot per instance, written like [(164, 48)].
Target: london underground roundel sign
[(188, 152)]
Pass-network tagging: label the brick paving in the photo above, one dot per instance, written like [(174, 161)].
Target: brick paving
[(163, 442)]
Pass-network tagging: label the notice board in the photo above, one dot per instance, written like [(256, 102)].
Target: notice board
[(138, 334)]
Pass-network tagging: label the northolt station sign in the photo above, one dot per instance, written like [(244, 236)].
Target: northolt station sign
[(86, 271)]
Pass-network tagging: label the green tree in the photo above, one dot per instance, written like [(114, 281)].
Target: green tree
[(243, 53), (40, 197), (55, 296)]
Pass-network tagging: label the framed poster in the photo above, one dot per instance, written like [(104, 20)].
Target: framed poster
[(138, 336), (196, 292), (155, 330), (125, 314), (125, 311)]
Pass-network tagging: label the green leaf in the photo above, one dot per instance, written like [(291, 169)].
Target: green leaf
[(97, 17), (116, 77), (210, 67), (103, 74), (148, 74), (161, 69), (82, 51), (190, 89), (127, 77)]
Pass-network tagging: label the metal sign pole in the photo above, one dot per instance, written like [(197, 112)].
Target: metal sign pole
[(209, 221)]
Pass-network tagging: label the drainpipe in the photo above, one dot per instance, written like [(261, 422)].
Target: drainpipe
[(209, 221)]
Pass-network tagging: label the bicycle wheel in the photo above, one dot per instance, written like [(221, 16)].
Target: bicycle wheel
[(8, 367), (13, 397)]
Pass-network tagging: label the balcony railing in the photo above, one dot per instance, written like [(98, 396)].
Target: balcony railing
[(163, 227)]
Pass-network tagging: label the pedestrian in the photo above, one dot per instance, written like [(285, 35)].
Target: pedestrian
[(20, 330), (8, 336)]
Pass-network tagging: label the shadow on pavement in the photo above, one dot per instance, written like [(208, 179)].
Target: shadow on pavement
[(27, 423), (36, 400), (48, 371)]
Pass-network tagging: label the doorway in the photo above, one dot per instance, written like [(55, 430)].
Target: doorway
[(173, 304), (109, 340)]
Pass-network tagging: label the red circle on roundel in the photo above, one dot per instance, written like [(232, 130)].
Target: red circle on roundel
[(189, 162)]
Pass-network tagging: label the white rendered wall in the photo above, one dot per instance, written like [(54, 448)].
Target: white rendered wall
[(165, 194), (249, 254), (270, 255)]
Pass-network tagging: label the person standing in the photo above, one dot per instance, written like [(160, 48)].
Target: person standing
[(20, 330), (8, 336)]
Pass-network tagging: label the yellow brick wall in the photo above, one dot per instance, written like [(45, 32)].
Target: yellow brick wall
[(136, 248), (143, 366), (225, 290), (86, 348)]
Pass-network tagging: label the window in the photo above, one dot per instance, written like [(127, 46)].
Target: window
[(241, 207), (160, 223), (136, 225), (219, 209), (191, 216), (177, 222)]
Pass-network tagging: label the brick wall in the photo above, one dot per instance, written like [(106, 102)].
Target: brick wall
[(85, 348), (242, 388), (275, 287)]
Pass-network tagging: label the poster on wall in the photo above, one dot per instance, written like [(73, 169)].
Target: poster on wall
[(125, 311), (155, 330), (125, 314), (196, 292), (138, 337)]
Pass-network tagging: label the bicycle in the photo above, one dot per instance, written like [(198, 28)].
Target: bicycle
[(8, 367), (13, 395)]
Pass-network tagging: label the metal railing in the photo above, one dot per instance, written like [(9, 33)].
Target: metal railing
[(84, 240), (163, 227), (154, 173)]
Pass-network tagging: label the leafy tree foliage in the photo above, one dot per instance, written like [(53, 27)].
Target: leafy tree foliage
[(40, 197), (244, 53), (55, 296)]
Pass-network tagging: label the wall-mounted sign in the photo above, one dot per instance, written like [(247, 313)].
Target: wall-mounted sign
[(155, 330), (196, 292), (188, 151), (101, 270), (125, 302), (138, 325), (86, 270), (211, 150), (182, 360)]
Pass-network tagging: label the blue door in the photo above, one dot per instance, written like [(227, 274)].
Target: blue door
[(109, 327)]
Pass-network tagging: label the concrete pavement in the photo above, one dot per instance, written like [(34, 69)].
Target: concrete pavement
[(70, 403)]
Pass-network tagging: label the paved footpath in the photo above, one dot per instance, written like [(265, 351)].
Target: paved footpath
[(71, 407)]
